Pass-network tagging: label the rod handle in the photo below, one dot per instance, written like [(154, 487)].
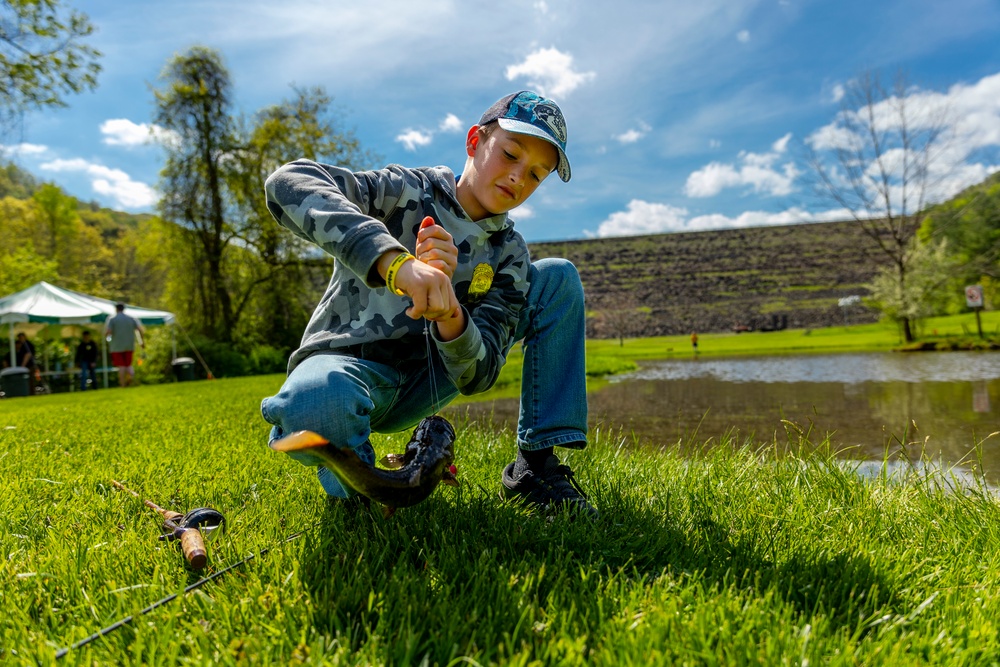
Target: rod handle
[(194, 548)]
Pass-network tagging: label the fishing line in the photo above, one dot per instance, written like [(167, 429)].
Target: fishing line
[(430, 367), (162, 601)]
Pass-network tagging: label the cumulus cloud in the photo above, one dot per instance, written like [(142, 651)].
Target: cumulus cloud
[(961, 124), (451, 123), (25, 149), (109, 182), (549, 72), (758, 171), (123, 132), (413, 139), (633, 135), (837, 92), (522, 212), (643, 217)]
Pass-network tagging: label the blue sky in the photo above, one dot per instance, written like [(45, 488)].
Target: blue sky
[(682, 115)]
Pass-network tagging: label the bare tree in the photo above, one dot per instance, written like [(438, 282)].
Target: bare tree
[(882, 161)]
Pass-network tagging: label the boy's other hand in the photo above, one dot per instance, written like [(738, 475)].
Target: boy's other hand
[(436, 247)]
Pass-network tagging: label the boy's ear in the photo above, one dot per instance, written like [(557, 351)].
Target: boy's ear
[(472, 140)]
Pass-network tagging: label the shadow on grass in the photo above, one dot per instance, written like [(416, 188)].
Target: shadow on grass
[(464, 573)]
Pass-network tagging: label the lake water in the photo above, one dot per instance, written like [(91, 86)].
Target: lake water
[(941, 404)]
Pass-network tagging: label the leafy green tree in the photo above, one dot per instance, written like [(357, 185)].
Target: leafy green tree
[(970, 222), (930, 272), (245, 275), (43, 56), (194, 105)]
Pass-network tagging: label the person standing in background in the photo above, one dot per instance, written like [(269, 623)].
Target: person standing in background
[(86, 360), (121, 330)]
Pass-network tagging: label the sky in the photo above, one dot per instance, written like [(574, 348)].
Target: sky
[(682, 116)]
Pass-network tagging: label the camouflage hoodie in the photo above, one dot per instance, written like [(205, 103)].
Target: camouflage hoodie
[(358, 216)]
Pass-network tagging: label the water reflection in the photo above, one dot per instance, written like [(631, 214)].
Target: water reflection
[(936, 404)]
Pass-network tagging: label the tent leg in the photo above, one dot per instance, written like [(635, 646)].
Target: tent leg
[(13, 354)]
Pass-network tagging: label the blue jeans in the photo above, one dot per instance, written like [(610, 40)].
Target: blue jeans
[(345, 399), (85, 371)]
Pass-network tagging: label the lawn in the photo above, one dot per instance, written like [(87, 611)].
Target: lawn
[(735, 556)]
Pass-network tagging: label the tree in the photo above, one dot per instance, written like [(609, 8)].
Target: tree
[(881, 160), (42, 56), (970, 222), (212, 190), (194, 106), (929, 270)]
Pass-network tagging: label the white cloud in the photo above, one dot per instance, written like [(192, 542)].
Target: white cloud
[(963, 153), (413, 139), (113, 183), (838, 92), (743, 36), (756, 170), (522, 212), (451, 123), (633, 135), (714, 143), (549, 72), (123, 132), (25, 150), (643, 217)]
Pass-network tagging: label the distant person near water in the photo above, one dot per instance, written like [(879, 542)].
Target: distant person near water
[(86, 360), (121, 330), (694, 341)]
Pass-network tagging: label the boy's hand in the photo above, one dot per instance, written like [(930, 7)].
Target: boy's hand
[(430, 289), (436, 247)]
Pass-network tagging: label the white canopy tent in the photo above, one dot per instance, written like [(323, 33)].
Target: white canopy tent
[(43, 305)]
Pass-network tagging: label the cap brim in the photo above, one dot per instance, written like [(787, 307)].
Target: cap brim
[(520, 127)]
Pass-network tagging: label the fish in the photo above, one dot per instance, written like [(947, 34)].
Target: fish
[(427, 461)]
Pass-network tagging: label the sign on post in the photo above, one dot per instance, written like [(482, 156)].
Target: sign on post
[(974, 300), (974, 296)]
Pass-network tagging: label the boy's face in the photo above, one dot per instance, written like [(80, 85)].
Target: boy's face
[(505, 170)]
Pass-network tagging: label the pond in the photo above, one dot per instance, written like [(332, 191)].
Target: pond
[(939, 404)]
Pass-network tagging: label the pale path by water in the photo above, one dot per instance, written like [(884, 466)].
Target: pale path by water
[(941, 403)]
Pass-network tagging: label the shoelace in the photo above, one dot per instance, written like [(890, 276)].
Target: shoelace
[(555, 480)]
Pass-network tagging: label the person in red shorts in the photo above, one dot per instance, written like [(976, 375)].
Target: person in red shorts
[(121, 330)]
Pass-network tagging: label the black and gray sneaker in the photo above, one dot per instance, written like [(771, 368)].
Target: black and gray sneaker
[(552, 490)]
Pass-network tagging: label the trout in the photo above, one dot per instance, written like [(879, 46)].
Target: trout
[(426, 462)]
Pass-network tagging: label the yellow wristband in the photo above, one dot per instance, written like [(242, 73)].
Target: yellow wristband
[(394, 266)]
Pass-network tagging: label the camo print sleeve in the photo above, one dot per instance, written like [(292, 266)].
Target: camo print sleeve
[(338, 210), (474, 359)]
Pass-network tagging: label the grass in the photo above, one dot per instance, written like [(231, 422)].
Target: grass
[(879, 337), (730, 556)]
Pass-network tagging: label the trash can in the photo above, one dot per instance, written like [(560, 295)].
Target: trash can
[(15, 381), (183, 368)]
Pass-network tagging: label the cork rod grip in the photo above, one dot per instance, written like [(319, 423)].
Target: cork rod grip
[(194, 548)]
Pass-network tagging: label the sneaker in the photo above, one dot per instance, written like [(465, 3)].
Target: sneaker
[(553, 490)]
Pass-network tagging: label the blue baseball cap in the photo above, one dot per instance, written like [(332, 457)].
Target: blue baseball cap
[(525, 112)]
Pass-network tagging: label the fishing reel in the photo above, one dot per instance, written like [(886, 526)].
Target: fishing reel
[(193, 530)]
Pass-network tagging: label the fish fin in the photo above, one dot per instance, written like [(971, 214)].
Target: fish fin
[(298, 441), (393, 461), (388, 511)]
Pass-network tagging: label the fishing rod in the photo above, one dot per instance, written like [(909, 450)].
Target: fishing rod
[(164, 600)]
